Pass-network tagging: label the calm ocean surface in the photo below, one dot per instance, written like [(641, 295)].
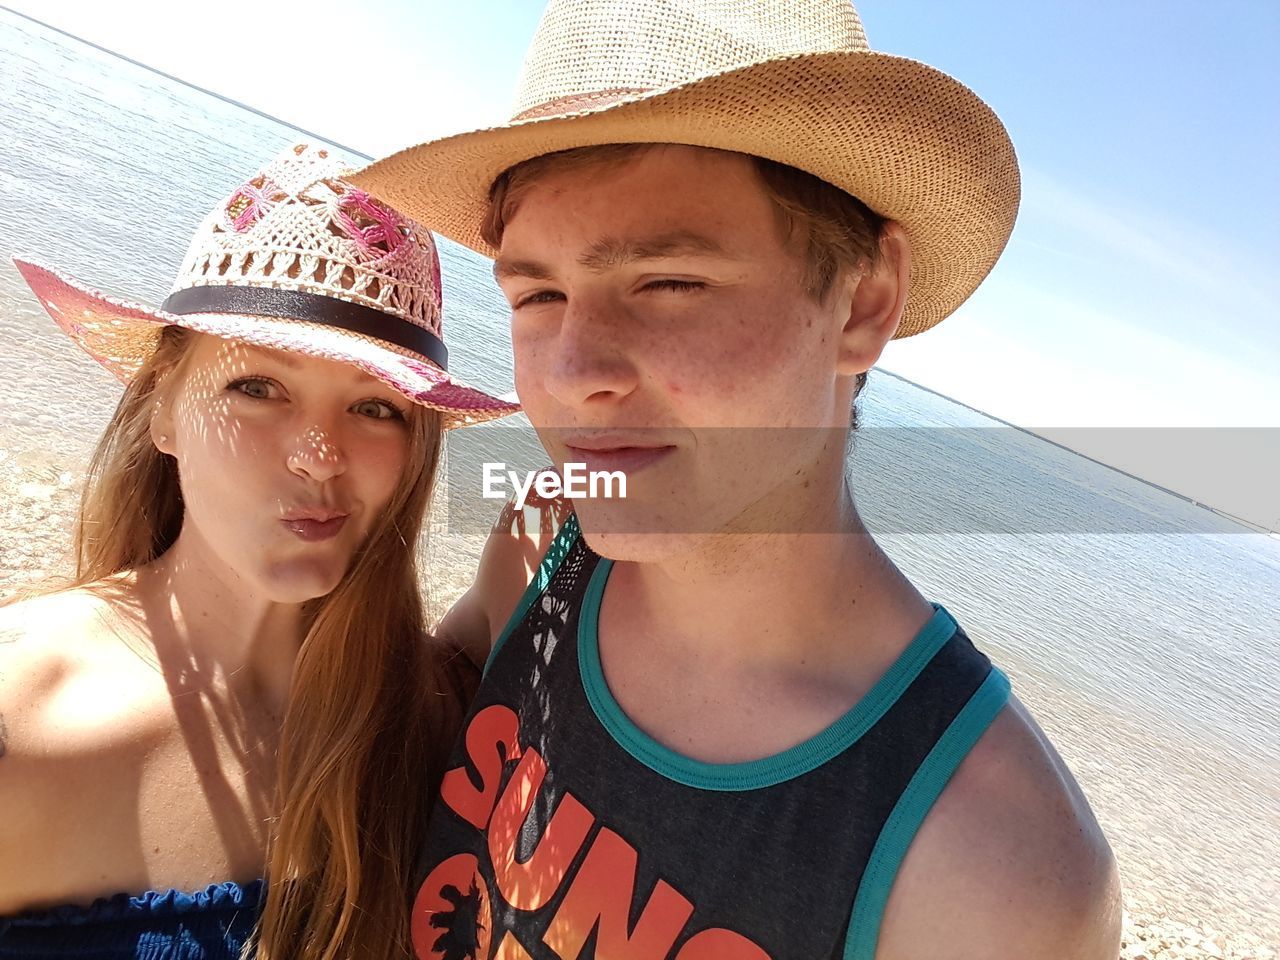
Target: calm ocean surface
[(1150, 658)]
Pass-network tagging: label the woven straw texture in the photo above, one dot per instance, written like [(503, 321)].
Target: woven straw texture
[(653, 45), (790, 80), (296, 225)]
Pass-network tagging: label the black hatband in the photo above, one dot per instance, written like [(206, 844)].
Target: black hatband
[(314, 308)]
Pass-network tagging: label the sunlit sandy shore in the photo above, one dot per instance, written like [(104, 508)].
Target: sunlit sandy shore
[(1150, 935)]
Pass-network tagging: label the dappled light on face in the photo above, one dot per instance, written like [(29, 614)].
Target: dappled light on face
[(203, 406), (286, 462), (317, 457), (271, 519)]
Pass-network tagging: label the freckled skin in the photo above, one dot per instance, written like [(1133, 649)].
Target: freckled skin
[(731, 649), (708, 367)]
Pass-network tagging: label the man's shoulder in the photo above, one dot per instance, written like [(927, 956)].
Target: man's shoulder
[(1009, 862)]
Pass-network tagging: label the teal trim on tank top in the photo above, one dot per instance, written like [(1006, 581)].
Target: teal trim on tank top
[(767, 771), (912, 807), (547, 568)]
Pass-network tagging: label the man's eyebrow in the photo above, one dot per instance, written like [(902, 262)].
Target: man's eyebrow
[(614, 251), (504, 269)]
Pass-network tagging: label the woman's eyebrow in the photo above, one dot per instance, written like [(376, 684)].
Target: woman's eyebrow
[(250, 351)]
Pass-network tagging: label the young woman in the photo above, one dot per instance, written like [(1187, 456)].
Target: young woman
[(238, 683)]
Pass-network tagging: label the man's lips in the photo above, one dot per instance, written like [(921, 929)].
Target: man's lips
[(628, 459)]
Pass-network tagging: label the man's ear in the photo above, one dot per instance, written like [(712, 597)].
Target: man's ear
[(876, 303)]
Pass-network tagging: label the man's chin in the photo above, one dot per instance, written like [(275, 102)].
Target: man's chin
[(634, 533), (640, 547)]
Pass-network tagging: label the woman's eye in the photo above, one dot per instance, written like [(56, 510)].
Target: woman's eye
[(379, 410), (675, 286), (256, 387)]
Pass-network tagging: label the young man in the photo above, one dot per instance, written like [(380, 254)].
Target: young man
[(718, 722)]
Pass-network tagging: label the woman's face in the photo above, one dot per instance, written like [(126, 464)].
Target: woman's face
[(285, 462)]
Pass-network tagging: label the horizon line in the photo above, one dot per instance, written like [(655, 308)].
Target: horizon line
[(187, 83)]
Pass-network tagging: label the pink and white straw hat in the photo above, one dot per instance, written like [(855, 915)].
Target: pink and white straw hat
[(296, 259)]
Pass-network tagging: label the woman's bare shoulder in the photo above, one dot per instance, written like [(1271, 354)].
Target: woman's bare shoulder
[(41, 636), (63, 659), (77, 709)]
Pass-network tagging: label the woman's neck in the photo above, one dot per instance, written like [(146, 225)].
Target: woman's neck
[(210, 622)]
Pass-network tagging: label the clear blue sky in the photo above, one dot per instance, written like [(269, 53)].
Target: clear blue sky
[(1142, 285)]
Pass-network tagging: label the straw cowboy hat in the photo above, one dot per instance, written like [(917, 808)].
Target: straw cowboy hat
[(790, 80), (297, 259)]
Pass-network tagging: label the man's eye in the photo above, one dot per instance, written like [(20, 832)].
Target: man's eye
[(255, 387), (675, 286), (378, 410), (541, 296)]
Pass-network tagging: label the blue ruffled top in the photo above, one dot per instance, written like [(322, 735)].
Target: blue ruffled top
[(210, 924)]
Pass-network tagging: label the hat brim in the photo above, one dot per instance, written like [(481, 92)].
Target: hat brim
[(911, 142), (120, 335)]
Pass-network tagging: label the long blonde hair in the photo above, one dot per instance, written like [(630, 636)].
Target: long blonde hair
[(373, 705)]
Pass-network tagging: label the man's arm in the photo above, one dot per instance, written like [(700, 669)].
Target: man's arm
[(518, 541), (1010, 863)]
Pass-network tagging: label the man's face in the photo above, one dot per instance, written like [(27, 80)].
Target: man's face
[(661, 327)]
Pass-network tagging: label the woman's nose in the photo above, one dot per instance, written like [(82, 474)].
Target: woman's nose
[(316, 455)]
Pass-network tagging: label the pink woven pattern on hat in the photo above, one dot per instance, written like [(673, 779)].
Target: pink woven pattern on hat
[(380, 229), (426, 384), (120, 335), (251, 201), (299, 225)]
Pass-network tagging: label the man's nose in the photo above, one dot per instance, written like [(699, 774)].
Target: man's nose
[(588, 361), (316, 455)]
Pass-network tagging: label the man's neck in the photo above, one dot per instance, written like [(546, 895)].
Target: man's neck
[(755, 600), (733, 655)]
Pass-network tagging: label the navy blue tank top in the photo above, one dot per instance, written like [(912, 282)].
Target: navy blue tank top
[(211, 924), (564, 831)]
